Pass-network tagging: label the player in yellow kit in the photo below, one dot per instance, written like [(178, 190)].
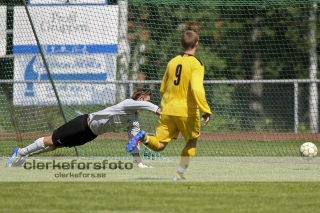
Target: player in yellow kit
[(183, 97)]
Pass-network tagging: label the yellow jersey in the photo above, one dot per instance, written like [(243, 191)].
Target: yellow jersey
[(182, 88)]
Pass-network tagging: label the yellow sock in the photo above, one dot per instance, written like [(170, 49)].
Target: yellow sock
[(186, 156), (152, 142)]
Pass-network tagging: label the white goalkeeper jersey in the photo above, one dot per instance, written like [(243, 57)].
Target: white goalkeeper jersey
[(121, 115)]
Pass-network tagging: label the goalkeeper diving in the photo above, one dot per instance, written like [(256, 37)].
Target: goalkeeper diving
[(87, 127)]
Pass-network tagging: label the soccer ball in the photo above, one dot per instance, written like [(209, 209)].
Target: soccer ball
[(308, 150)]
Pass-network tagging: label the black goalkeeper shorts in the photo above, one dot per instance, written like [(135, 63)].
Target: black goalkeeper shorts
[(73, 133)]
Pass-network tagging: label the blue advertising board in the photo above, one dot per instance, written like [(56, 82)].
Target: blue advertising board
[(78, 47)]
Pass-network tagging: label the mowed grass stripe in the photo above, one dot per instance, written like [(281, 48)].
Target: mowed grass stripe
[(165, 197)]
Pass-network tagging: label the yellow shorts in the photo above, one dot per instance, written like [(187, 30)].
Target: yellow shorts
[(169, 127)]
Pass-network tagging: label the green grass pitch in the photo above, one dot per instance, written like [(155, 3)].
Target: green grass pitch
[(222, 184), (224, 177), (180, 197)]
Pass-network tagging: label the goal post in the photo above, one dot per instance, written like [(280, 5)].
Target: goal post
[(62, 59)]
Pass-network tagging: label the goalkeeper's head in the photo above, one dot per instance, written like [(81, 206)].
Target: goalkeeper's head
[(189, 40), (141, 95)]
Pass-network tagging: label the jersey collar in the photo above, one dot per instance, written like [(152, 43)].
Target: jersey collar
[(182, 54)]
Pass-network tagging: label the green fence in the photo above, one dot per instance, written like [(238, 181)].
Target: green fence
[(243, 45)]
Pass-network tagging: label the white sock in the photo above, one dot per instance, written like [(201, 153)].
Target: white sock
[(180, 169), (35, 146), (46, 149)]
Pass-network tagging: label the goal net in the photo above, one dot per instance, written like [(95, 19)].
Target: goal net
[(60, 59)]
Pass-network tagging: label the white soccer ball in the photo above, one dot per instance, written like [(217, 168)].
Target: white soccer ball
[(308, 150)]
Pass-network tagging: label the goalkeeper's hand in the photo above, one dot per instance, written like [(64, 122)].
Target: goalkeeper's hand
[(206, 118), (143, 166)]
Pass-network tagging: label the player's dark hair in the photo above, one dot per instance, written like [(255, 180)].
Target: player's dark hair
[(189, 40), (140, 92)]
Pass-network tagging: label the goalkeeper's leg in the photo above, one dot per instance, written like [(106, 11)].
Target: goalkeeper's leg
[(22, 159), (46, 149), (136, 155), (18, 157), (38, 146)]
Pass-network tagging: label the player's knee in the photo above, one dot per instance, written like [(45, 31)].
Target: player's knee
[(188, 151), (47, 141), (192, 142)]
